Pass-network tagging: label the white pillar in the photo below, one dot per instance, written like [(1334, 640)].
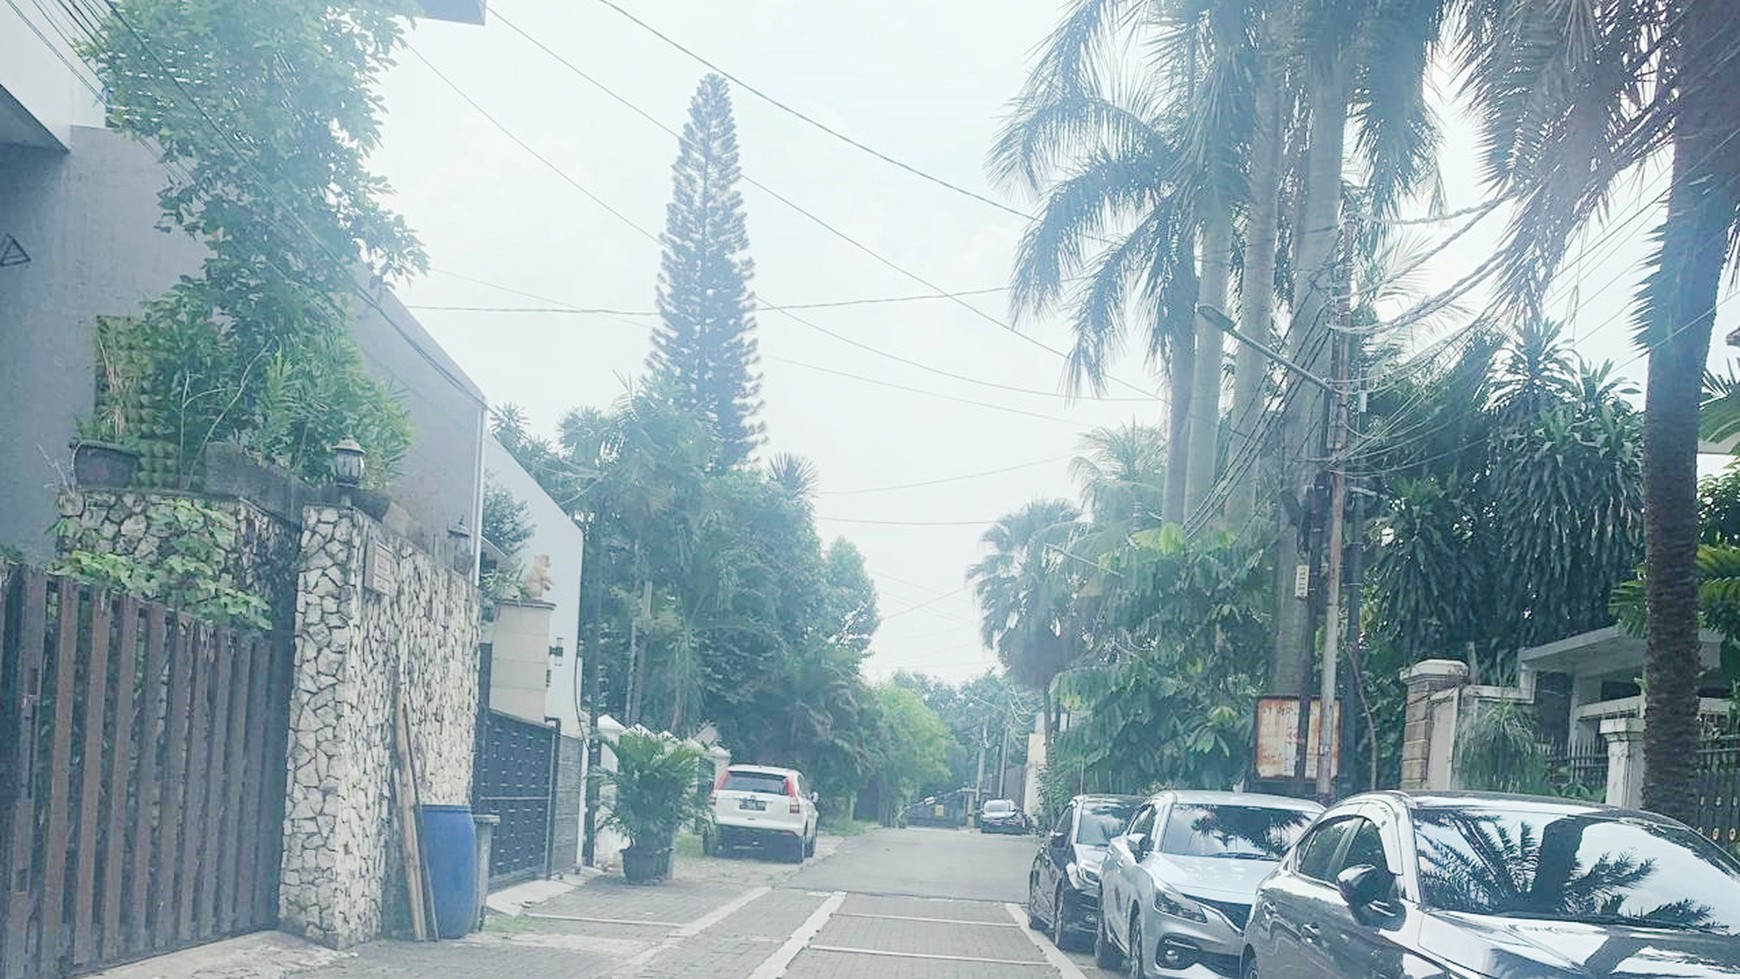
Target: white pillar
[(1624, 737)]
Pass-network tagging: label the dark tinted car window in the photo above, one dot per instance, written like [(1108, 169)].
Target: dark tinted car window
[(1100, 821), (1578, 867), (1366, 848), (763, 782), (1144, 821), (1317, 849), (1252, 832)]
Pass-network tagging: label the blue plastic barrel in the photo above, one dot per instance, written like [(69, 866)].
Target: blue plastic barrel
[(450, 859)]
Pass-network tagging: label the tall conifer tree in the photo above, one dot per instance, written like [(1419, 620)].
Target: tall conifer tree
[(705, 343)]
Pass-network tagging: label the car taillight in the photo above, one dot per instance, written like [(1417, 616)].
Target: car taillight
[(797, 805), (718, 783)]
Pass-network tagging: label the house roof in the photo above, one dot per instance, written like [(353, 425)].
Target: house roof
[(1602, 651)]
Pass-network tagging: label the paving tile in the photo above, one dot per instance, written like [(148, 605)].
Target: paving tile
[(816, 964), (930, 937), (925, 907)]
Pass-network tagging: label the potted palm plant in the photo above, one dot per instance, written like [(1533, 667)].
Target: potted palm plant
[(656, 793)]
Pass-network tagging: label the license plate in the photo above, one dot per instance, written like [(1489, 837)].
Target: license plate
[(756, 804)]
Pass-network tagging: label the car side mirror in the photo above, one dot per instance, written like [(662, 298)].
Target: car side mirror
[(815, 796), (1059, 838), (1364, 887), (1138, 844)]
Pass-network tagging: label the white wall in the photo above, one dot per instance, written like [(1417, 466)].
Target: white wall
[(44, 77), (558, 537)]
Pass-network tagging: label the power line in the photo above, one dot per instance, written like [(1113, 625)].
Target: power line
[(823, 223), (909, 523), (816, 123), (923, 391), (948, 479), (758, 307)]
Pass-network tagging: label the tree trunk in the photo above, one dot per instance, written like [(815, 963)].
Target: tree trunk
[(1256, 300), (1205, 386), (1679, 302), (1303, 423), (1180, 380)]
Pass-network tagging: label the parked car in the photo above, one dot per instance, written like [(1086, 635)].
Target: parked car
[(754, 805), (1002, 816), (1456, 886), (1176, 887), (1063, 886)]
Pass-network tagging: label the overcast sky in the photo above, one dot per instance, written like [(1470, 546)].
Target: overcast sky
[(922, 81)]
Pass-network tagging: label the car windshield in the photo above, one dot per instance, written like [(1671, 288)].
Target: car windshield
[(1234, 832), (1574, 867), (767, 783), (1100, 821), (999, 807)]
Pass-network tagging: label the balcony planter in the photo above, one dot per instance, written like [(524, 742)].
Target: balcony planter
[(646, 865), (104, 464)]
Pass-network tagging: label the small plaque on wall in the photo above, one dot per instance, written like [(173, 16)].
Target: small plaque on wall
[(379, 572)]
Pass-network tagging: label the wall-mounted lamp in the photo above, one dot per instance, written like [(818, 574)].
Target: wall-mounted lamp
[(349, 460)]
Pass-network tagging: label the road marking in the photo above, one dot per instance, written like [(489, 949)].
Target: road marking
[(582, 919), (1054, 955), (939, 921), (934, 956), (775, 965), (719, 913)]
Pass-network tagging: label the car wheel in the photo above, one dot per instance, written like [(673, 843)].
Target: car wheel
[(1034, 921), (708, 846), (1134, 960), (1250, 970), (1105, 953), (810, 843), (796, 852), (1060, 919)]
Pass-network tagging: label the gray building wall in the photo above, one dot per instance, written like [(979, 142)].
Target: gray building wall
[(88, 218)]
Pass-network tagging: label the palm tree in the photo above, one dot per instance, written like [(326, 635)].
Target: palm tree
[(1573, 97), (1025, 590), (1122, 478)]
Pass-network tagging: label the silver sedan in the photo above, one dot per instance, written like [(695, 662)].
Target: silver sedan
[(1176, 887)]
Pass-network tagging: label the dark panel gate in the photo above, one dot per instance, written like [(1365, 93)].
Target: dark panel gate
[(141, 778), (515, 778)]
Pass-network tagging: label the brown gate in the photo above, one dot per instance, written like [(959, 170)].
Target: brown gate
[(141, 778)]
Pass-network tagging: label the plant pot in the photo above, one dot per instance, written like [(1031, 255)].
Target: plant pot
[(646, 865), (104, 464)]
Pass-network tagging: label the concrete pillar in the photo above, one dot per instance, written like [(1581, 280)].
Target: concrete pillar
[(519, 668), (1424, 679), (1624, 737)]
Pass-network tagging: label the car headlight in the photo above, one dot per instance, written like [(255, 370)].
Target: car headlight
[(1083, 878), (1179, 906)]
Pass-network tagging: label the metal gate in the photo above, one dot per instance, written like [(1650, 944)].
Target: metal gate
[(141, 778), (515, 779), (1717, 782)]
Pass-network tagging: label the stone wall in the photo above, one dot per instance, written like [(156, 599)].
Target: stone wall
[(258, 555), (377, 620)]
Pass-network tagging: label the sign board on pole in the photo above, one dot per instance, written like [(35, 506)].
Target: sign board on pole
[(1278, 737)]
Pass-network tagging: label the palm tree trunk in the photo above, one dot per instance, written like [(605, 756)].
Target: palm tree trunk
[(1679, 306), (1205, 387), (1306, 412), (1256, 295), (1180, 389)]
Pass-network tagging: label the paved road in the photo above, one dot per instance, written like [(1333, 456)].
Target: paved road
[(892, 904)]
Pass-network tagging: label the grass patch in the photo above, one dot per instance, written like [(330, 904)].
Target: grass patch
[(851, 827), (504, 924), (687, 845)]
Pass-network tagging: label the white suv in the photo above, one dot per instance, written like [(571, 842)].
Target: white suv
[(757, 805)]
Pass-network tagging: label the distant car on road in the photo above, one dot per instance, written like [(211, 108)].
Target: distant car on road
[(1002, 816), (754, 805), (1461, 886), (1063, 886), (1177, 886)]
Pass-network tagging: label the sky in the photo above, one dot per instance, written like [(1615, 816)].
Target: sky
[(561, 210)]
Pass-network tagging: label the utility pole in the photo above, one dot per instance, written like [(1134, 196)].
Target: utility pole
[(979, 783), (1341, 341)]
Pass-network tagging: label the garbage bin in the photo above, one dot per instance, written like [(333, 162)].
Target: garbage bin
[(450, 858), (486, 825)]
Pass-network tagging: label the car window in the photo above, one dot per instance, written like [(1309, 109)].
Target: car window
[(1575, 866), (1100, 821), (1316, 855), (766, 783), (1365, 848), (1233, 832), (1143, 823), (999, 806), (1066, 821)]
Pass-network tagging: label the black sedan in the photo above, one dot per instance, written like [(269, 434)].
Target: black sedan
[(1002, 816), (1466, 886), (1063, 886)]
